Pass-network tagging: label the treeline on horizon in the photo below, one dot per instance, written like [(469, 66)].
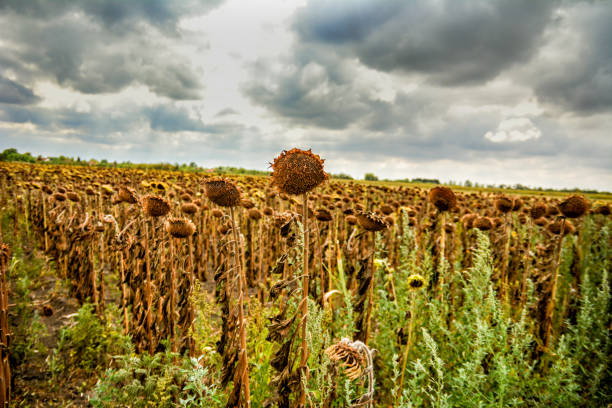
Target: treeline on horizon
[(12, 155)]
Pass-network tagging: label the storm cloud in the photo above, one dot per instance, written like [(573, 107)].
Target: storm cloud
[(497, 91), (100, 46), (452, 42), (14, 93)]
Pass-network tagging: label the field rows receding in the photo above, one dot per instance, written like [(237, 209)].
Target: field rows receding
[(157, 288)]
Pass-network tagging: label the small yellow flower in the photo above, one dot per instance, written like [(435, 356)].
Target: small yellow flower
[(379, 263), (416, 281)]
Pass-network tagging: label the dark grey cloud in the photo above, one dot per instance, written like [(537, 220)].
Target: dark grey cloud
[(316, 89), (579, 79), (163, 14), (100, 46), (451, 42), (174, 119), (462, 44), (98, 124), (458, 48), (12, 92)]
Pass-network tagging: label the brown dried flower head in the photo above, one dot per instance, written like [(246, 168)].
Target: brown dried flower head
[(189, 208), (443, 198), (348, 357), (298, 171), (386, 209), (555, 227), (246, 203), (127, 195), (371, 221), (155, 206), (468, 220), (254, 214), (222, 192), (540, 222), (180, 227), (538, 210), (504, 204), (602, 209), (351, 220), (574, 206), (483, 223), (72, 196), (323, 214), (59, 197), (552, 210), (518, 204)]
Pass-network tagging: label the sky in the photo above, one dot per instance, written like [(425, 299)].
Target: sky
[(492, 91)]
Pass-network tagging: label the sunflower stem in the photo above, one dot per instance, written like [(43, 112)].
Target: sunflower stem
[(305, 285), (243, 323), (407, 348), (550, 308)]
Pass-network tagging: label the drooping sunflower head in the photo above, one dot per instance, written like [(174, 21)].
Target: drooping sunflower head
[(574, 206), (504, 204), (483, 223), (370, 221), (254, 214), (538, 210), (189, 208), (443, 198), (348, 357), (323, 214), (180, 227), (127, 195), (222, 192), (155, 206)]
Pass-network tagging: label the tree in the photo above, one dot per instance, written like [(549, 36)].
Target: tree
[(370, 177), (14, 155)]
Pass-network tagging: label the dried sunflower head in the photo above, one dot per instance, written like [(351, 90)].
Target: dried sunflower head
[(323, 214), (298, 171), (574, 206), (348, 357), (222, 192), (504, 204), (155, 206), (189, 208), (370, 221), (127, 195), (443, 198), (538, 210), (180, 227)]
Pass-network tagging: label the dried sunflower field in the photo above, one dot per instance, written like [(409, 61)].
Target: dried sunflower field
[(147, 288)]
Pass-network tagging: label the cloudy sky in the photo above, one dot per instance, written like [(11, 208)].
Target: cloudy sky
[(509, 91)]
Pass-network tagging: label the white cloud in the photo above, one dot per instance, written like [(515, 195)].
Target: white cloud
[(514, 130)]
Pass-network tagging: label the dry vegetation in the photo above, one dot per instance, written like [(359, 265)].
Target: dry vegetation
[(296, 291)]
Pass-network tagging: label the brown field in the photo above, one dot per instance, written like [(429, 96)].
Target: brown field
[(445, 297)]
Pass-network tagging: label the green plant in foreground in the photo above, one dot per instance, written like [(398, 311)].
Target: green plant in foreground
[(162, 380), (88, 344)]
